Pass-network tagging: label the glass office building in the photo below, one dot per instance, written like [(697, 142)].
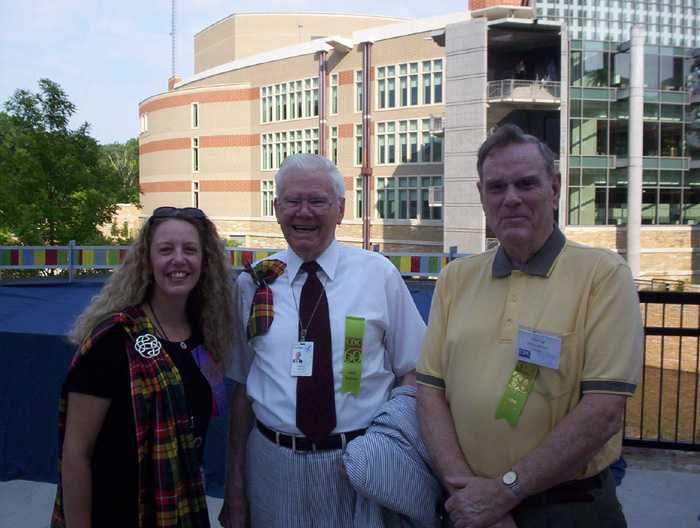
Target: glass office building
[(599, 72)]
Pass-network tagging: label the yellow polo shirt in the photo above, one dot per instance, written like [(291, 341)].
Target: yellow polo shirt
[(584, 295)]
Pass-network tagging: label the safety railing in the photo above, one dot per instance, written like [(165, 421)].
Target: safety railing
[(665, 409), (524, 90), (73, 258)]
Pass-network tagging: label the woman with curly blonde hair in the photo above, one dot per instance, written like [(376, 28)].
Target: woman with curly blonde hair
[(147, 377)]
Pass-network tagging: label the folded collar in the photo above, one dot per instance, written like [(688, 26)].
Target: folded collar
[(328, 261), (539, 264)]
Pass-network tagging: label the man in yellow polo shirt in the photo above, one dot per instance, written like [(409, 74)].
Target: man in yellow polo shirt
[(531, 352)]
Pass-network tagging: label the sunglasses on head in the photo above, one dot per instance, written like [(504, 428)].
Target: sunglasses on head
[(178, 212)]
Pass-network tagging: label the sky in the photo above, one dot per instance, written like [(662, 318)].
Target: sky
[(109, 55)]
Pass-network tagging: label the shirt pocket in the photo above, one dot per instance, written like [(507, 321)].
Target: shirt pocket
[(553, 383)]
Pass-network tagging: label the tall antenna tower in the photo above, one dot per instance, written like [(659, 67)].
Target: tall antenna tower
[(172, 38)]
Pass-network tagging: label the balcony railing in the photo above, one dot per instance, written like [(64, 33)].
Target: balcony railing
[(665, 409), (524, 90)]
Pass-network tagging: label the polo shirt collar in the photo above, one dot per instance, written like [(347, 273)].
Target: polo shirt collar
[(328, 261), (539, 264)]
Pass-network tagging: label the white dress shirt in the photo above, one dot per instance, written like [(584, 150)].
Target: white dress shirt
[(358, 283)]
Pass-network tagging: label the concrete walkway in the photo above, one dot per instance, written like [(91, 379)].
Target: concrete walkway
[(661, 488), (25, 504)]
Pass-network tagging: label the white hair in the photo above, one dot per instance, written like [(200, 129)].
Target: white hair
[(310, 163)]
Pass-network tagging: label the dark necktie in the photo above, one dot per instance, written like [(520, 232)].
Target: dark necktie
[(316, 393)]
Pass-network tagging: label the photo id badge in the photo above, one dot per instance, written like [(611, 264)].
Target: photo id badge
[(538, 348), (302, 358)]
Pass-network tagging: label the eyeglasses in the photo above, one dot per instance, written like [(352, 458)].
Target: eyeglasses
[(318, 205), (175, 212)]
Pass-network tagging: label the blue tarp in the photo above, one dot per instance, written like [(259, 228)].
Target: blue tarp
[(34, 357)]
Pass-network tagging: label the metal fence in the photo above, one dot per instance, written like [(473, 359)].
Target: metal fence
[(665, 411), (524, 90), (73, 258)]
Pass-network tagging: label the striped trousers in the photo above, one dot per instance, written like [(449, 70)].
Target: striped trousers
[(288, 489)]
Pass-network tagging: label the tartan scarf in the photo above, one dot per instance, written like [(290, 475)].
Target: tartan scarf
[(262, 309), (171, 489)]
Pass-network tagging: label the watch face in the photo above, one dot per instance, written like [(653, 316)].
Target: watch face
[(509, 478)]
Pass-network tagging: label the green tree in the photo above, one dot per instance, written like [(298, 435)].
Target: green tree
[(53, 187), (123, 160)]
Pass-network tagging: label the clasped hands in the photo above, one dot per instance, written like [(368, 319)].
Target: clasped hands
[(477, 502)]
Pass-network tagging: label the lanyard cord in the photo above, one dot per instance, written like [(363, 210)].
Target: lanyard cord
[(303, 330)]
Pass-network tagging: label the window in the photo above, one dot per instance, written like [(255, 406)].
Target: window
[(195, 115), (668, 196), (267, 194), (409, 84), (358, 145), (289, 100), (358, 91), (195, 154), (195, 193), (416, 143), (406, 197), (276, 146), (144, 122), (334, 144), (358, 197), (334, 93)]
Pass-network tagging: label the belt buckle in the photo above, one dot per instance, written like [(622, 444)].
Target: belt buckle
[(343, 442)]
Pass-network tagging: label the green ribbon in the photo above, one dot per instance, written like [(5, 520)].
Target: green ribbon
[(352, 355), (520, 384)]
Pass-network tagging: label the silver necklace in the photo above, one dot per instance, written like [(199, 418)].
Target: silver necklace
[(183, 344)]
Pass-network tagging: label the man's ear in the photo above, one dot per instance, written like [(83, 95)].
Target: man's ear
[(276, 206), (556, 188), (481, 193), (341, 210)]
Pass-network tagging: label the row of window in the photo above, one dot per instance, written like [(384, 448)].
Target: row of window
[(289, 100), (672, 23), (598, 197), (396, 198), (403, 85), (601, 68), (599, 137), (416, 143), (400, 85), (409, 84), (276, 146), (403, 141)]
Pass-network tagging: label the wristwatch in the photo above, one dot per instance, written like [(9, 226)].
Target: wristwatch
[(510, 480)]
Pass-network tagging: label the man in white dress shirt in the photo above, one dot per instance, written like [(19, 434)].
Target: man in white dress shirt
[(333, 329)]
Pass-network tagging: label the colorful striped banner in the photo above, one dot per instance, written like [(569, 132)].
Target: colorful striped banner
[(37, 257), (106, 257), (428, 265)]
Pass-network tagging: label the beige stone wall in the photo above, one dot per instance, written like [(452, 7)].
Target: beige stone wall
[(244, 34), (667, 252)]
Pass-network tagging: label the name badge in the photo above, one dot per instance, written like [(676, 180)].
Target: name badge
[(538, 348), (302, 358)]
